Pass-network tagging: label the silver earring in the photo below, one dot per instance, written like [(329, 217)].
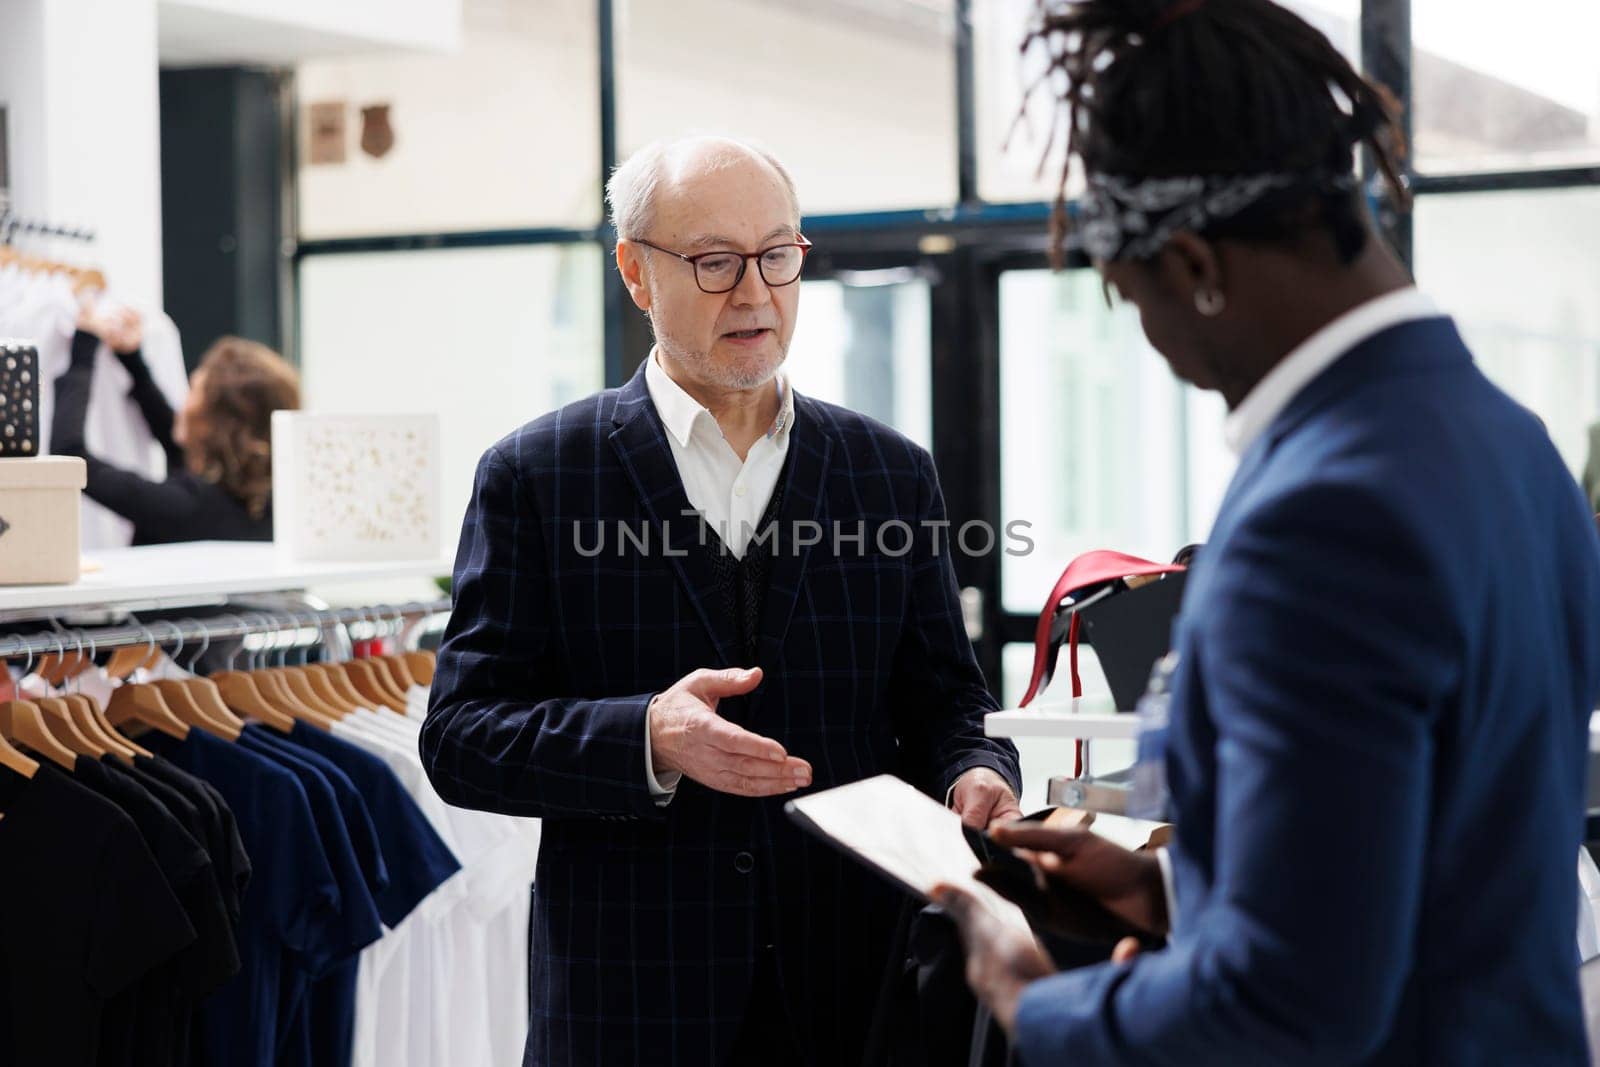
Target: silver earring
[(1209, 302)]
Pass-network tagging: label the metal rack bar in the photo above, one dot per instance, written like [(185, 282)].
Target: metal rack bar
[(243, 623)]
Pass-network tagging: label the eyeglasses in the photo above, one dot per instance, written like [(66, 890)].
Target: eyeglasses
[(721, 272)]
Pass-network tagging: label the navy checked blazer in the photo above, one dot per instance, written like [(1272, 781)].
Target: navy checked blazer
[(646, 919)]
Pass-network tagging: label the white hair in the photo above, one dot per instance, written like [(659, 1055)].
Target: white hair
[(631, 189)]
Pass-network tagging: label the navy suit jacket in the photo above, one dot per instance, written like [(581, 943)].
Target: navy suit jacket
[(1389, 651), (645, 920)]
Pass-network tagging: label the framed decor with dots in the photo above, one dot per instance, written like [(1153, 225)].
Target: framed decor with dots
[(355, 487), (19, 400)]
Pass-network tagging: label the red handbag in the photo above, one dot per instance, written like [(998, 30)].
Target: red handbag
[(1087, 579)]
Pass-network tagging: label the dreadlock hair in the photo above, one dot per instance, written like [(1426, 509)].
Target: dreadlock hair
[(1167, 88)]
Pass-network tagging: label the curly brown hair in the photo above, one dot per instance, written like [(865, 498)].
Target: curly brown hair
[(229, 441)]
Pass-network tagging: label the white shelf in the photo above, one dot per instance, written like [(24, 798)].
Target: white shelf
[(198, 573), (1084, 719)]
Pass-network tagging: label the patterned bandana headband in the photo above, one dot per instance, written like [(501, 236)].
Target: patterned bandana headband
[(1128, 218)]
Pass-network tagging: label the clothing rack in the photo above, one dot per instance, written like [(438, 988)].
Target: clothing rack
[(244, 622)]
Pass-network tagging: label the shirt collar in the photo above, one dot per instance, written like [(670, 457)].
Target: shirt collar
[(1316, 354), (679, 411)]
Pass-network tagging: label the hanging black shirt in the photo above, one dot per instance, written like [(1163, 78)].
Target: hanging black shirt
[(214, 957), (227, 849), (88, 913), (140, 1024)]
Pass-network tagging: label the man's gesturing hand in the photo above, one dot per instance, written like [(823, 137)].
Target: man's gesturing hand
[(687, 735)]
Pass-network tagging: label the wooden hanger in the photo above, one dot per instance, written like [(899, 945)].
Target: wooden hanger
[(194, 701), (86, 716), (383, 671), (23, 722), (298, 681), (243, 696), (422, 666), (275, 682), (14, 760), (196, 705), (322, 685), (338, 680), (56, 667), (145, 705), (124, 661), (91, 720), (364, 679), (399, 672)]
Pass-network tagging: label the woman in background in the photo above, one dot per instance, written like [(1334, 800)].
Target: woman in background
[(218, 447)]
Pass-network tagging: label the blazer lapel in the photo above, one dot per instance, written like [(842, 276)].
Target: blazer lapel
[(810, 447), (640, 441)]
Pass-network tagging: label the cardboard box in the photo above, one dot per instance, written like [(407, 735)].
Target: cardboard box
[(40, 500)]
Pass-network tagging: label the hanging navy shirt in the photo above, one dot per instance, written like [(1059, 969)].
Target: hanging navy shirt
[(332, 795), (291, 910), (418, 862)]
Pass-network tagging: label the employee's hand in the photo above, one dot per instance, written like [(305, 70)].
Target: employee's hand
[(1128, 884), (121, 328), (687, 735), (982, 798), (1001, 959)]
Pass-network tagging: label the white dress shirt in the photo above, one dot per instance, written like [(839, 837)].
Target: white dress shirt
[(1316, 354), (731, 493)]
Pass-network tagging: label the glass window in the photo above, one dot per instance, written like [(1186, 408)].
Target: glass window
[(488, 338), (1091, 425), (1492, 95), (1519, 272), (1009, 151), (863, 343), (504, 133), (857, 97)]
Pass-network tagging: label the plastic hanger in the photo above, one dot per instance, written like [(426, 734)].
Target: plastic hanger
[(142, 704), (23, 722)]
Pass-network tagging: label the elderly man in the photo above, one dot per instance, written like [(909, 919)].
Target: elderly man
[(678, 602)]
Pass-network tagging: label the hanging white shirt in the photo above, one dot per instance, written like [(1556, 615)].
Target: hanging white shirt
[(115, 429)]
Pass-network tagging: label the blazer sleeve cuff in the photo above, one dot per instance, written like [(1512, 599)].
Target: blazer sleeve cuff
[(663, 788), (995, 762)]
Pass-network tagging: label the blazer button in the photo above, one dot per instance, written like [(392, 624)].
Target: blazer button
[(744, 863)]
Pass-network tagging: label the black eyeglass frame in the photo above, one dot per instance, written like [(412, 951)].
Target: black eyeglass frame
[(800, 242)]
